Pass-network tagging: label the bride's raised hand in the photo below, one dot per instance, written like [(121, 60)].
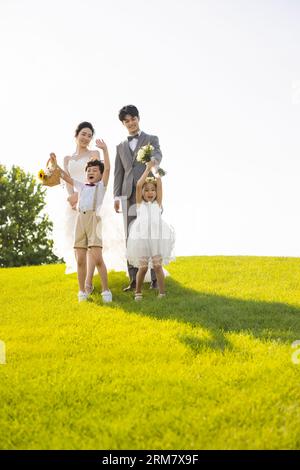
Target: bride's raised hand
[(101, 144)]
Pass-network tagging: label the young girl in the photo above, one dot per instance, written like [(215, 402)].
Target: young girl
[(151, 240)]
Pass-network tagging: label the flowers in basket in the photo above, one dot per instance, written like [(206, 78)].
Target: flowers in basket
[(51, 175), (144, 155)]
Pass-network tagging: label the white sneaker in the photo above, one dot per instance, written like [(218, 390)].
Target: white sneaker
[(161, 296), (106, 296), (82, 296)]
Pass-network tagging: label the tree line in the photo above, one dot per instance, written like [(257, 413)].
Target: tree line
[(25, 231)]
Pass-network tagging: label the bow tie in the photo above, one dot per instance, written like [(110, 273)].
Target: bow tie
[(90, 184), (130, 137)]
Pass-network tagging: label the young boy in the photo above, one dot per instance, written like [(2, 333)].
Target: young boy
[(88, 223)]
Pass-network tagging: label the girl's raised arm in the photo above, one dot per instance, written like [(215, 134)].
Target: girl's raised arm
[(141, 181), (158, 190)]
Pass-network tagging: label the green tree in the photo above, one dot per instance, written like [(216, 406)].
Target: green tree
[(24, 230)]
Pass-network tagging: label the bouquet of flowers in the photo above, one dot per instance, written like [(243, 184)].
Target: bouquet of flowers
[(51, 175), (144, 155)]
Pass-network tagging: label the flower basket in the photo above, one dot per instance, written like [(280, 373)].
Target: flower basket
[(51, 176)]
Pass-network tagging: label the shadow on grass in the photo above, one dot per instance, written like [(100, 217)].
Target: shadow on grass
[(217, 314)]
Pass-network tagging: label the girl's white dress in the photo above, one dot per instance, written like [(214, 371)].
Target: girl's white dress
[(150, 236), (64, 217)]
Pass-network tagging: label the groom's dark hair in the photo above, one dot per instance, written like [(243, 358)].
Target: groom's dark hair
[(95, 163), (129, 109)]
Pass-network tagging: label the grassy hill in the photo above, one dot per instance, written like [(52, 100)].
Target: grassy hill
[(207, 367)]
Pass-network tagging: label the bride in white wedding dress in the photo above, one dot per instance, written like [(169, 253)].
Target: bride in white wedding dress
[(114, 251)]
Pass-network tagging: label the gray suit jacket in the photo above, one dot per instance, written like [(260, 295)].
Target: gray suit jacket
[(127, 170)]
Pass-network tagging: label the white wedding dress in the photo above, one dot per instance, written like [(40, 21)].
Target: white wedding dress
[(63, 217)]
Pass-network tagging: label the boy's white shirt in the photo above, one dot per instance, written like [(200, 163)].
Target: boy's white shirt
[(86, 195)]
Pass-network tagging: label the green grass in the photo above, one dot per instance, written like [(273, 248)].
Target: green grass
[(207, 367)]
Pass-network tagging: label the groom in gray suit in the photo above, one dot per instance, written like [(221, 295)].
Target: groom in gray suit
[(128, 171)]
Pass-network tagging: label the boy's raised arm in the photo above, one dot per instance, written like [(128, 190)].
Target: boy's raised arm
[(102, 145)]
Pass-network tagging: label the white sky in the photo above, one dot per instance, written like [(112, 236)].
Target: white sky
[(217, 81)]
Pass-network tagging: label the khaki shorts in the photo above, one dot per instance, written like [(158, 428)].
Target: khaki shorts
[(88, 230)]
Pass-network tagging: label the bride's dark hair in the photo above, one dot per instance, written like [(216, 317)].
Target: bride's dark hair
[(83, 125)]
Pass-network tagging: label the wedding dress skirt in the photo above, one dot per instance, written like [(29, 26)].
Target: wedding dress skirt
[(150, 237)]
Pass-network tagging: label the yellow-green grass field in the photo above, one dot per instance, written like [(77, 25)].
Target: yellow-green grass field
[(208, 367)]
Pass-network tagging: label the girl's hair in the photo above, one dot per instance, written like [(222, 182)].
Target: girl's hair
[(149, 180), (83, 125)]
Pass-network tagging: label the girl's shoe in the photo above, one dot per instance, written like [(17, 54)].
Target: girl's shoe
[(106, 296), (82, 296), (138, 296), (89, 289), (161, 295)]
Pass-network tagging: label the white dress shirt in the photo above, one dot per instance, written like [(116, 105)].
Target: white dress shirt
[(133, 143)]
